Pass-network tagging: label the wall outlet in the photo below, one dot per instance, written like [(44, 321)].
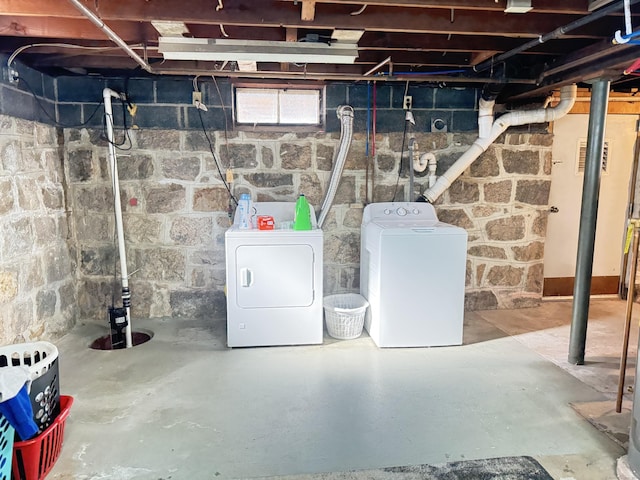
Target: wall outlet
[(406, 104), (196, 97)]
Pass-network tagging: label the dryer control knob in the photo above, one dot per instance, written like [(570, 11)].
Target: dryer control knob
[(387, 211), (415, 211), (401, 211)]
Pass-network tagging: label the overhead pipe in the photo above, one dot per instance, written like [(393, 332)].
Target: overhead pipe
[(345, 114), (557, 33), (567, 98), (112, 35), (107, 94)]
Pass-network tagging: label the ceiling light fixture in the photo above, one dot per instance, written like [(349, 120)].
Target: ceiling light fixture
[(518, 6), (208, 49)]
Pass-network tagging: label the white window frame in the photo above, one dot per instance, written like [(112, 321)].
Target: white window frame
[(274, 120)]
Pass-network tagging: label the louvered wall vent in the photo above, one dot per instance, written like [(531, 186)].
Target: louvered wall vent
[(582, 155)]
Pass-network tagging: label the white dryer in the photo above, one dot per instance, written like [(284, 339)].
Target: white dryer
[(412, 272), (274, 281)]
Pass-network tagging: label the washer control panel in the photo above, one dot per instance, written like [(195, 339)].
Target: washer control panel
[(399, 211)]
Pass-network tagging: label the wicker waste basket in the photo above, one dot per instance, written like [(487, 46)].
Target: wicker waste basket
[(344, 314)]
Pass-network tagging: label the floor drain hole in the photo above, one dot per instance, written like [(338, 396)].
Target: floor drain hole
[(104, 343)]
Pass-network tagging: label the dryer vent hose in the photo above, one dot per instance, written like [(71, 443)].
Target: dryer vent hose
[(345, 114)]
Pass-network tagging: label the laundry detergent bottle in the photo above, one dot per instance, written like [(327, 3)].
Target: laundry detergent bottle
[(244, 211), (302, 218)]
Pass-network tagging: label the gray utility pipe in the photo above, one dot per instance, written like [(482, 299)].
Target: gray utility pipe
[(557, 33), (588, 217), (488, 135)]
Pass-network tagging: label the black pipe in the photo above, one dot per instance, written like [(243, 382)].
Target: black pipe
[(557, 33), (588, 220)]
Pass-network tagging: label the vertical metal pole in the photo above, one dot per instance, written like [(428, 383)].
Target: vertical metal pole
[(588, 218)]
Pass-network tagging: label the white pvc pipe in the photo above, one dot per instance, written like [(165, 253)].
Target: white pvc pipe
[(432, 166), (567, 99), (345, 114), (485, 117), (107, 93)]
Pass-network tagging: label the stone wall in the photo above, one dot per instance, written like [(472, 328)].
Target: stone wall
[(58, 224), (176, 211), (37, 267), (502, 202)]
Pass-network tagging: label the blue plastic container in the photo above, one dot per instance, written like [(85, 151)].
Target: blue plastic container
[(6, 448), (19, 413)]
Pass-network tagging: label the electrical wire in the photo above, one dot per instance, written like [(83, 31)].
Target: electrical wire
[(21, 49), (404, 136), (126, 140), (53, 120), (359, 11), (226, 120), (215, 157)]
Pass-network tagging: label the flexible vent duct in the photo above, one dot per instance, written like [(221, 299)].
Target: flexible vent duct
[(345, 114)]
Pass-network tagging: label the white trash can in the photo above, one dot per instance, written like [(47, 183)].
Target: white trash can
[(344, 314)]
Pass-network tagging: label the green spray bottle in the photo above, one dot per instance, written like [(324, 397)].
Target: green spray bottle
[(302, 218)]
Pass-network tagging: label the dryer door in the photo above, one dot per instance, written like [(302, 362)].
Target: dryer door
[(274, 276)]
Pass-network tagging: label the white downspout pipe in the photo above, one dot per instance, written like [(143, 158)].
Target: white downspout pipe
[(567, 99), (107, 93)]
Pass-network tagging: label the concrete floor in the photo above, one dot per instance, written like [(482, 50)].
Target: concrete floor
[(183, 406)]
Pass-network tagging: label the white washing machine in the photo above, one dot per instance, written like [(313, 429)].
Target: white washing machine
[(412, 272), (274, 281)]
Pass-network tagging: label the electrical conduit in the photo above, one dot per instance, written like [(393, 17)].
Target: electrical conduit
[(487, 137), (345, 114), (107, 93)]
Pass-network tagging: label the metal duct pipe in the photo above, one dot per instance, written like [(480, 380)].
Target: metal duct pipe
[(107, 94), (345, 114), (557, 33), (567, 98), (111, 34)]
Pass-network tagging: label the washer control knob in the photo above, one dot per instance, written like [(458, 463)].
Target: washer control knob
[(387, 211), (415, 211), (401, 211)]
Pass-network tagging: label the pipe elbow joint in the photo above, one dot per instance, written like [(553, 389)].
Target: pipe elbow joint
[(344, 110)]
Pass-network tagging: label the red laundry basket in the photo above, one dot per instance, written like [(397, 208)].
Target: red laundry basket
[(33, 459)]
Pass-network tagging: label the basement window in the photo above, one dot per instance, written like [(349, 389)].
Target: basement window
[(284, 107)]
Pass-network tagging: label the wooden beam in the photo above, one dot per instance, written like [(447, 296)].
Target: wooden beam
[(276, 13), (72, 29), (308, 10), (541, 6), (480, 57), (291, 35), (62, 8)]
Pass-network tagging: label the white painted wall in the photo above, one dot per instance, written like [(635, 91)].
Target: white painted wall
[(566, 194)]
